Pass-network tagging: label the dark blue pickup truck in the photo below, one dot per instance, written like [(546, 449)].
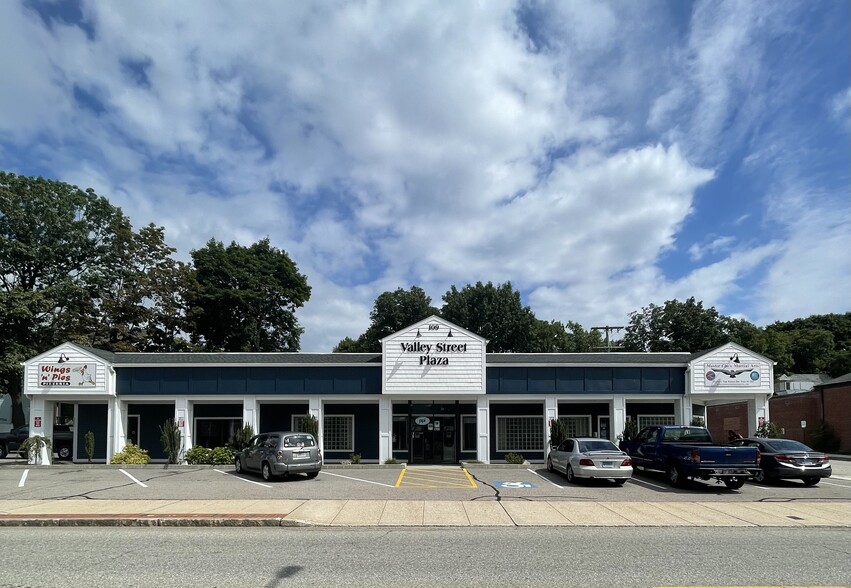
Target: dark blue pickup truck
[(685, 453)]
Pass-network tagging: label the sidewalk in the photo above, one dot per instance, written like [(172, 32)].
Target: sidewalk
[(405, 513)]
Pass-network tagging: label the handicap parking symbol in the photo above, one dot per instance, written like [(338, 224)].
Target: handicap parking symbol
[(513, 485)]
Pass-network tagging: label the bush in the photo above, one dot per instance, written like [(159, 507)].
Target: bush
[(221, 456), (32, 447), (131, 454), (514, 458), (310, 424), (241, 438), (171, 439), (355, 457), (198, 455), (630, 430), (90, 445), (391, 461), (824, 438), (558, 432), (770, 430)]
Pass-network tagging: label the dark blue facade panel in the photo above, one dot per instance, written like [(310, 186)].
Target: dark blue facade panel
[(176, 381), (91, 417), (366, 429), (279, 416), (151, 418), (590, 380), (203, 411)]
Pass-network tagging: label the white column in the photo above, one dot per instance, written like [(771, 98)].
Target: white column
[(250, 414), (482, 429), (314, 407), (41, 423), (682, 410), (385, 429), (183, 416), (550, 415), (618, 415), (115, 426), (757, 407)]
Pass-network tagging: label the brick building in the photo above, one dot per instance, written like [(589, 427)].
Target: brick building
[(829, 402)]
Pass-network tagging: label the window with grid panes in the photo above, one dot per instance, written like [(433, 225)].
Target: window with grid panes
[(654, 420), (577, 426), (339, 432), (519, 433)]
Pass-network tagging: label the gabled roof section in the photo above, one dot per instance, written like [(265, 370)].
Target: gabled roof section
[(436, 319), (107, 356), (844, 379), (699, 354)]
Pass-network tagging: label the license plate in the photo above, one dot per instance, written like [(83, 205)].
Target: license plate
[(301, 454), (608, 464)]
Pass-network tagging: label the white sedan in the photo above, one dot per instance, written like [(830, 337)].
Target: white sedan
[(590, 458)]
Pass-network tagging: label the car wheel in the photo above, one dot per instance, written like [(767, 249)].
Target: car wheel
[(237, 465), (64, 452), (571, 477), (675, 475), (811, 481), (266, 471), (760, 478), (3, 452), (549, 464), (312, 474), (734, 483)]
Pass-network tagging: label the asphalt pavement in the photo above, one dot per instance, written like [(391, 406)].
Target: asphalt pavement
[(407, 497)]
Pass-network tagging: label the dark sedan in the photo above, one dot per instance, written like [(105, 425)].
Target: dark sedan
[(784, 459)]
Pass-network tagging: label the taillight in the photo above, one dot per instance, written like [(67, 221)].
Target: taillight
[(824, 459), (586, 462), (695, 456), (627, 462), (782, 457), (758, 457)]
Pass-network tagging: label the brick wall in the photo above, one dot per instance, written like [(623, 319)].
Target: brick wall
[(788, 412)]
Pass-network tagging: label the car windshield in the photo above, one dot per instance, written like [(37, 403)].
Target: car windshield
[(299, 441), (601, 445), (787, 445)]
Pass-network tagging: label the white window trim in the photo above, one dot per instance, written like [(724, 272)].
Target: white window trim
[(463, 436), (519, 416), (655, 416), (351, 447)]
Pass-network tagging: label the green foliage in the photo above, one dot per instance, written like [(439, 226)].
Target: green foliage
[(310, 424), (769, 430), (391, 312), (33, 445), (676, 326), (198, 456), (171, 440), (355, 457), (391, 461), (221, 456), (246, 298), (240, 439), (558, 432), (824, 438), (131, 454), (630, 430), (90, 445), (514, 458), (493, 312)]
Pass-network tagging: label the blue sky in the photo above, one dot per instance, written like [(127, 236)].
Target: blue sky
[(601, 156)]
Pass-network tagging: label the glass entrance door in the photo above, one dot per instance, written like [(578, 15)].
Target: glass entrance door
[(433, 439)]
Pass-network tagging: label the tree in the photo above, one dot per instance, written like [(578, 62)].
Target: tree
[(676, 326), (391, 312), (246, 298), (54, 240), (555, 337), (493, 312)]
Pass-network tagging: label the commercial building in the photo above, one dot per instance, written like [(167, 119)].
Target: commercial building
[(434, 395)]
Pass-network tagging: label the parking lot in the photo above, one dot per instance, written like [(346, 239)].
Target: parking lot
[(482, 483)]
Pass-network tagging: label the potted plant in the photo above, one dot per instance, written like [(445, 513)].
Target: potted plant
[(38, 449)]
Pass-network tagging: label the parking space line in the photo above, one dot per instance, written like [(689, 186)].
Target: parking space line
[(134, 479), (841, 478), (435, 477), (358, 479), (531, 471), (23, 479), (634, 479), (840, 485), (233, 475)]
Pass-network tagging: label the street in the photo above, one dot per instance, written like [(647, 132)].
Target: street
[(257, 557)]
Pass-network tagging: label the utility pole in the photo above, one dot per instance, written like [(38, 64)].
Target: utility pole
[(608, 330)]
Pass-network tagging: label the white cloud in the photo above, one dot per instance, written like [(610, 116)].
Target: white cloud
[(840, 108)]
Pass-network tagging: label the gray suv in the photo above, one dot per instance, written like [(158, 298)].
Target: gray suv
[(279, 454)]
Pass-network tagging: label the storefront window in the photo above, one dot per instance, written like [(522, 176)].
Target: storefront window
[(400, 433), (520, 433), (577, 426), (215, 431), (339, 432), (651, 420)]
